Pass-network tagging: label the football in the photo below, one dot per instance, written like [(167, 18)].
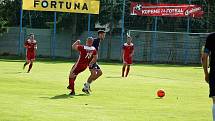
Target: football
[(160, 93)]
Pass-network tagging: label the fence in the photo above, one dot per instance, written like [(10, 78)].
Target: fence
[(168, 47), (150, 47)]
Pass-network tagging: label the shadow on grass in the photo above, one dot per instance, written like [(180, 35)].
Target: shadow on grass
[(82, 95), (113, 77), (158, 98), (19, 72), (64, 96)]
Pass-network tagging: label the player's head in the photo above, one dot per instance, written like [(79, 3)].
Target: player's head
[(101, 34), (31, 36), (129, 39), (89, 41)]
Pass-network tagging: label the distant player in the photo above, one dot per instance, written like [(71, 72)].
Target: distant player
[(210, 77), (127, 54), (95, 70), (31, 47), (87, 56)]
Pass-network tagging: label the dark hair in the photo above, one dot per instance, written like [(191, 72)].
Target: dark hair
[(31, 34)]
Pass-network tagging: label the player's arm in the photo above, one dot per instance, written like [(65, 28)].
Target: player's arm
[(122, 53), (207, 51), (93, 60), (75, 45), (132, 53), (26, 44), (35, 47)]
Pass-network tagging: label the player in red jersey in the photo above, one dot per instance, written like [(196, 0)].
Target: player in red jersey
[(87, 56), (127, 53), (31, 47)]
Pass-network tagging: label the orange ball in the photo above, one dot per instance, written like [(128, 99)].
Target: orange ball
[(160, 93)]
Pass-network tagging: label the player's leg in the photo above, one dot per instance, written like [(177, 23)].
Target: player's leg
[(95, 73), (212, 93), (98, 74), (213, 108), (28, 59), (30, 66), (127, 70), (86, 87), (129, 62), (123, 69), (25, 64), (31, 57), (76, 69), (72, 77)]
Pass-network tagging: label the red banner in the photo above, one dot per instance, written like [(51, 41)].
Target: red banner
[(169, 10)]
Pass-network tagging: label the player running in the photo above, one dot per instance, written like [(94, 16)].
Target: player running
[(95, 70), (31, 47), (210, 77), (127, 53), (87, 56)]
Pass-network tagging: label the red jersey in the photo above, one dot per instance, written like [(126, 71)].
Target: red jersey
[(128, 49), (31, 46), (86, 54)]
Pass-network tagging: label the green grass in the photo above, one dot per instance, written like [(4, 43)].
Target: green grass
[(42, 95)]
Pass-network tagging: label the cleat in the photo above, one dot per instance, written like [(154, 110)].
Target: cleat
[(89, 89), (85, 91), (72, 93)]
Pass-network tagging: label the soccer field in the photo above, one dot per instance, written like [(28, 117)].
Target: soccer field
[(42, 95)]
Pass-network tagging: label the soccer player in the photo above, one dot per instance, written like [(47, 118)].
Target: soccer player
[(95, 70), (87, 56), (127, 53), (31, 47), (209, 50)]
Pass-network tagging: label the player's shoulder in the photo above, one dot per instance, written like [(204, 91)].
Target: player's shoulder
[(28, 40), (34, 41), (96, 40)]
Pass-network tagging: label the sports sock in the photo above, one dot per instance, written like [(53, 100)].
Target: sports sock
[(72, 84), (86, 85)]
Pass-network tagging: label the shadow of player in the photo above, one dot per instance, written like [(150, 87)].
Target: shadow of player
[(62, 96)]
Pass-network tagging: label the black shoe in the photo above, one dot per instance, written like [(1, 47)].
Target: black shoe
[(85, 91), (72, 93)]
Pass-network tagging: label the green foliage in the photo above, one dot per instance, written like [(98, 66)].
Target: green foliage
[(110, 12)]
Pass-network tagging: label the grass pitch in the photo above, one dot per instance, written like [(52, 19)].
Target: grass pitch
[(42, 95)]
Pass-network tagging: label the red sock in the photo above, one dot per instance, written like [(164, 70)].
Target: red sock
[(72, 84)]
